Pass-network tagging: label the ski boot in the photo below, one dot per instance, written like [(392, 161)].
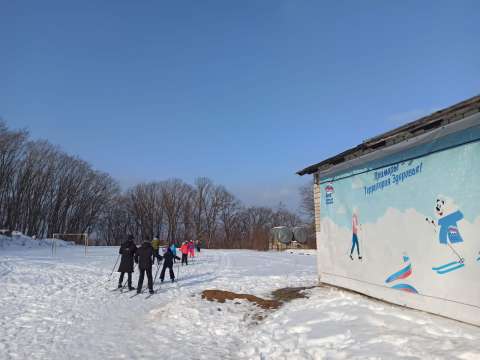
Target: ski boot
[(119, 286), (130, 288), (151, 291)]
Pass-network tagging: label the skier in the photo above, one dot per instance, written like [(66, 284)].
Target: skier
[(191, 249), (168, 263), (197, 243), (128, 250), (173, 247), (355, 226), (144, 257), (184, 250), (156, 246)]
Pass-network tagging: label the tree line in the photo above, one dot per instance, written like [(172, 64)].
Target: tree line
[(175, 210), (44, 191)]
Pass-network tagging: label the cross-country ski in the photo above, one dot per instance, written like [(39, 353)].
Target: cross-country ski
[(446, 268)]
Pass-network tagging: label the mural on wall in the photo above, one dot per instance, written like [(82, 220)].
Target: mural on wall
[(401, 274), (416, 207), (448, 234), (355, 227)]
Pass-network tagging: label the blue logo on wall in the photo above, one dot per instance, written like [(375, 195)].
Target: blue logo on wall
[(329, 190)]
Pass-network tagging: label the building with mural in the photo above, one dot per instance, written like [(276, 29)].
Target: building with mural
[(398, 216)]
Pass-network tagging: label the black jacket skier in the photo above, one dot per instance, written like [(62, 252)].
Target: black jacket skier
[(168, 263), (127, 250), (144, 257)]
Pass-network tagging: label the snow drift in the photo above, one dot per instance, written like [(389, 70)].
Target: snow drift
[(26, 242)]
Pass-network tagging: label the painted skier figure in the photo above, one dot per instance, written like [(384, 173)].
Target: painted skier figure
[(447, 221), (355, 227), (447, 217)]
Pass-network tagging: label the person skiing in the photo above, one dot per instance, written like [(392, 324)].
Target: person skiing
[(197, 243), (144, 257), (173, 247), (184, 251), (156, 246), (168, 258), (191, 249), (128, 250)]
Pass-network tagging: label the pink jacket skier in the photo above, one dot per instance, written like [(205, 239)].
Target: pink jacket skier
[(191, 248)]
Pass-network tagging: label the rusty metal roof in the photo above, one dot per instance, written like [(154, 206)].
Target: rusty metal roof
[(408, 131)]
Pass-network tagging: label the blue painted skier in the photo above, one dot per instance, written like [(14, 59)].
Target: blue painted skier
[(448, 233)]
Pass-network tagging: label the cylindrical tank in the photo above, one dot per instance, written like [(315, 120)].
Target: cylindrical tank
[(300, 234), (282, 234)]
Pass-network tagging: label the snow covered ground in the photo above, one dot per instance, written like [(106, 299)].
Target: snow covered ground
[(62, 307)]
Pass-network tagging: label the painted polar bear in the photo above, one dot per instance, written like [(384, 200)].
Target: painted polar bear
[(447, 215)]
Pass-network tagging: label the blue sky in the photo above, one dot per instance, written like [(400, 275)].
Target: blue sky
[(244, 92)]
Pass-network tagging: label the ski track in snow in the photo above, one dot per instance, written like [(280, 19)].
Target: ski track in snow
[(62, 307)]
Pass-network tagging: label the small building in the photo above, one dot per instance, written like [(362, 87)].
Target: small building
[(398, 216)]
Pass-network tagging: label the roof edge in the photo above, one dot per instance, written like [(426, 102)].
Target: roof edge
[(410, 130)]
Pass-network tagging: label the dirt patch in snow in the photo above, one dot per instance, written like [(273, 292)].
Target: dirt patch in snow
[(290, 293), (221, 296), (280, 296)]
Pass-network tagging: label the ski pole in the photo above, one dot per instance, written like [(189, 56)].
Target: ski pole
[(156, 273), (114, 266), (456, 253)]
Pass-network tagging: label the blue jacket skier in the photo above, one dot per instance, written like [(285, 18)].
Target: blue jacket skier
[(168, 263)]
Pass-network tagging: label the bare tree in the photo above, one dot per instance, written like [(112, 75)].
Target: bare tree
[(230, 220), (175, 194), (43, 190), (145, 205), (202, 187), (307, 205)]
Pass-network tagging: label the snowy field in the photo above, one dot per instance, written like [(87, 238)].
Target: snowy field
[(62, 307)]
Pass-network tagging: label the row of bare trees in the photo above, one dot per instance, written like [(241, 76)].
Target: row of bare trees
[(44, 191), (177, 211)]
